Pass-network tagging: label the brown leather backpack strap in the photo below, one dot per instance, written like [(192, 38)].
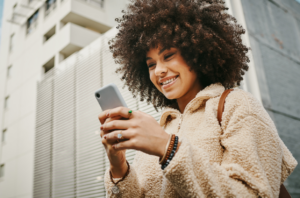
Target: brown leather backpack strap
[(221, 104), (283, 191)]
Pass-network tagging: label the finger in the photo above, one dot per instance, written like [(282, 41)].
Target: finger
[(120, 111), (113, 118), (101, 133), (103, 116), (113, 136), (116, 124), (129, 144)]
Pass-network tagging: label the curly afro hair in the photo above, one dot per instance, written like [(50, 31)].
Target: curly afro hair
[(208, 38)]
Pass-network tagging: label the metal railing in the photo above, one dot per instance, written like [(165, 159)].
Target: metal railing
[(99, 3)]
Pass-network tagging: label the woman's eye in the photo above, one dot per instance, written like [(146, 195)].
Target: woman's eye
[(169, 55), (151, 65)]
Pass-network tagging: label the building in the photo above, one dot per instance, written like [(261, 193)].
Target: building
[(274, 33), (36, 36), (1, 10), (54, 55)]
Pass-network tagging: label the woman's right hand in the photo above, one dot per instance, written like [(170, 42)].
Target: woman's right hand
[(117, 159)]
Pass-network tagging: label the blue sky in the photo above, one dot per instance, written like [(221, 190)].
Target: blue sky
[(1, 9)]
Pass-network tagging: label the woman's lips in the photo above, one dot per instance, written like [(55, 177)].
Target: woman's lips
[(170, 84)]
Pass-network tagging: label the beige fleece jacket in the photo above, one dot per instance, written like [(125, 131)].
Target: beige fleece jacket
[(244, 158)]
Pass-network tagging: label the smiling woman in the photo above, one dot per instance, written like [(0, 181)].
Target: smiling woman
[(172, 76), (181, 55), (209, 40)]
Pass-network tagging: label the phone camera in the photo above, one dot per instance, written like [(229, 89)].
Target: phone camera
[(97, 95)]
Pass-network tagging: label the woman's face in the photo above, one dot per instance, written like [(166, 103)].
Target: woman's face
[(170, 73)]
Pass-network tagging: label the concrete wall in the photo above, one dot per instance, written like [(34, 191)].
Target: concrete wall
[(274, 29)]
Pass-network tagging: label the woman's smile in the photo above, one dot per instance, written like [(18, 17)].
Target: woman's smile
[(168, 82), (171, 75)]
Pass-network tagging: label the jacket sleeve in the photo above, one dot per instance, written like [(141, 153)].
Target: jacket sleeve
[(252, 160), (129, 187)]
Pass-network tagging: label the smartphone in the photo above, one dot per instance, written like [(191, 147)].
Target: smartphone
[(109, 97)]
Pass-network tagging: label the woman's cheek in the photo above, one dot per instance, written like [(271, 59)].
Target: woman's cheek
[(153, 80)]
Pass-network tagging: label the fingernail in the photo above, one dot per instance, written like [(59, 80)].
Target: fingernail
[(107, 114), (104, 137)]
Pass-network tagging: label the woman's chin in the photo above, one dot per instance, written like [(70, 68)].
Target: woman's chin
[(171, 96)]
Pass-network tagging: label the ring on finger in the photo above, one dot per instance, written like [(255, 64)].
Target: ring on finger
[(129, 113), (120, 136)]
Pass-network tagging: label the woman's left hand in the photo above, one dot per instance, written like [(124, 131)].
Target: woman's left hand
[(141, 132)]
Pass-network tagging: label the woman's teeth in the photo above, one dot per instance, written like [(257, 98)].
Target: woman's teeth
[(169, 81)]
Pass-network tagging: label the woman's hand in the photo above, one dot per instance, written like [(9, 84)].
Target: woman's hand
[(116, 158), (141, 131)]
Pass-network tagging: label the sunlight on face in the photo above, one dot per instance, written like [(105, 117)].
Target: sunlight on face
[(170, 73)]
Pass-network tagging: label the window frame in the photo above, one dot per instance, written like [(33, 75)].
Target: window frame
[(6, 102), (11, 42), (8, 72), (32, 21), (4, 131), (2, 166)]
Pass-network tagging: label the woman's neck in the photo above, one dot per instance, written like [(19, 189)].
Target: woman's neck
[(184, 100)]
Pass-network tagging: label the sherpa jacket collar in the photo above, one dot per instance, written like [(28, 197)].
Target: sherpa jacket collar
[(211, 91)]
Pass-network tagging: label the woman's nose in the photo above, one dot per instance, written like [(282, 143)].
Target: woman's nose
[(160, 69)]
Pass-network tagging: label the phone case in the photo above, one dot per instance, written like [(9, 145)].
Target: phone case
[(109, 97)]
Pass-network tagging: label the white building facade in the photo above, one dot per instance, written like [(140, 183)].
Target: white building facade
[(53, 56), (36, 36)]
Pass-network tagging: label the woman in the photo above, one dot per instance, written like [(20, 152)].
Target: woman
[(181, 55)]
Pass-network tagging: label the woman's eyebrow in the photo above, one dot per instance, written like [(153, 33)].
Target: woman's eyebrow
[(162, 50)]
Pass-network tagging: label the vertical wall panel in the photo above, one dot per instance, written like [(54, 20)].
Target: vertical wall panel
[(43, 138), (70, 158), (64, 152), (90, 151)]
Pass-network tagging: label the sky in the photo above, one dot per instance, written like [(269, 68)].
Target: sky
[(1, 9)]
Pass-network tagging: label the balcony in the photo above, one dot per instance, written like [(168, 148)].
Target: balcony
[(71, 38), (85, 13), (99, 3)]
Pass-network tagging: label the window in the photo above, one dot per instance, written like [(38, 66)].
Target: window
[(4, 135), (96, 2), (1, 170), (11, 42), (50, 3), (49, 65), (6, 102), (49, 34), (13, 12), (32, 22), (9, 69)]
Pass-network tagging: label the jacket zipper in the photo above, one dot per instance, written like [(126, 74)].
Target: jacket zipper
[(180, 120), (181, 115)]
